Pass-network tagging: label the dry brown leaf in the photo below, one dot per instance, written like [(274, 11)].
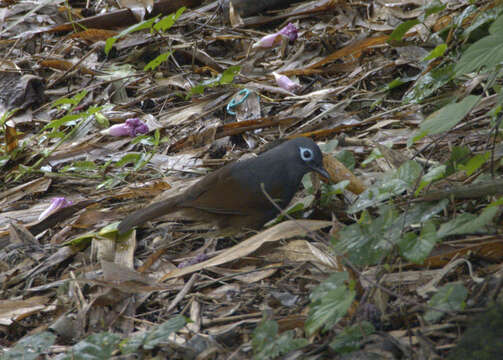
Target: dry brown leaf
[(93, 35), (65, 65), (10, 138), (280, 231), (29, 188), (16, 310), (338, 172), (354, 50)]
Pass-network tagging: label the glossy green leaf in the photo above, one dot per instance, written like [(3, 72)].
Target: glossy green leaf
[(486, 53), (267, 344), (222, 79), (158, 335), (30, 347), (370, 240), (350, 339), (152, 65), (436, 173), (432, 7), (95, 347), (446, 118), (450, 297), (459, 155), (428, 83), (168, 21), (330, 302), (437, 52), (475, 163), (145, 24), (483, 18), (347, 158), (467, 223), (402, 29), (394, 184), (417, 248)]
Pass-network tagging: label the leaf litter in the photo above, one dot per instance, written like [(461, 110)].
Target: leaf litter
[(104, 110)]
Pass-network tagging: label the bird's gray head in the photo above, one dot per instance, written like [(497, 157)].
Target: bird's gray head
[(307, 154)]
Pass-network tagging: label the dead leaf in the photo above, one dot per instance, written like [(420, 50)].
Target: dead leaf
[(283, 230)]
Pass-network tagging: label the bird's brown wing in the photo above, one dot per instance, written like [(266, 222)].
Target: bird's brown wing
[(221, 192)]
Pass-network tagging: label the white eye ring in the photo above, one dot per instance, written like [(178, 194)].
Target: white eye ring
[(306, 154)]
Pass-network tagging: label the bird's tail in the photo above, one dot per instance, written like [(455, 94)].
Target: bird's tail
[(152, 211)]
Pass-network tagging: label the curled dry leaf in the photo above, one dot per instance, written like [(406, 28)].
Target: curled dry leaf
[(338, 172), (280, 231)]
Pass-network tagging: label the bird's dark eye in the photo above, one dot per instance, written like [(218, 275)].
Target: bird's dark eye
[(306, 154)]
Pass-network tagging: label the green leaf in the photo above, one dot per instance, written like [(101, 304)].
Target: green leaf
[(447, 117), (369, 241), (222, 79), (145, 24), (432, 7), (228, 75), (374, 155), (329, 191), (73, 101), (417, 248), (483, 335), (402, 29), (55, 124), (95, 347), (450, 297), (347, 158), (404, 178), (158, 335), (152, 65), (394, 84), (468, 223), (497, 25), (162, 332), (429, 83), (30, 347), (483, 18), (486, 53), (330, 302), (434, 174), (266, 331), (109, 43), (130, 158), (475, 163), (350, 339), (459, 155), (329, 147), (168, 21), (437, 52), (268, 345)]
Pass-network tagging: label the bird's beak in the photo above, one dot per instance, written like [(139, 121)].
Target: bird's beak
[(321, 170)]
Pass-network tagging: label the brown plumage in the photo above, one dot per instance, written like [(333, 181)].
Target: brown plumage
[(233, 195)]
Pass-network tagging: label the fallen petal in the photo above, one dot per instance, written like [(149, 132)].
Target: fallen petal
[(56, 204), (269, 41), (285, 83), (131, 127), (290, 31), (137, 126)]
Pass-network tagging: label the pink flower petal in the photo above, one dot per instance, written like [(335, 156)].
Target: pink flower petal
[(290, 31), (56, 204), (131, 127), (269, 41), (285, 83)]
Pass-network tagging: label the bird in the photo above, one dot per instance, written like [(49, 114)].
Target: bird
[(234, 195)]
